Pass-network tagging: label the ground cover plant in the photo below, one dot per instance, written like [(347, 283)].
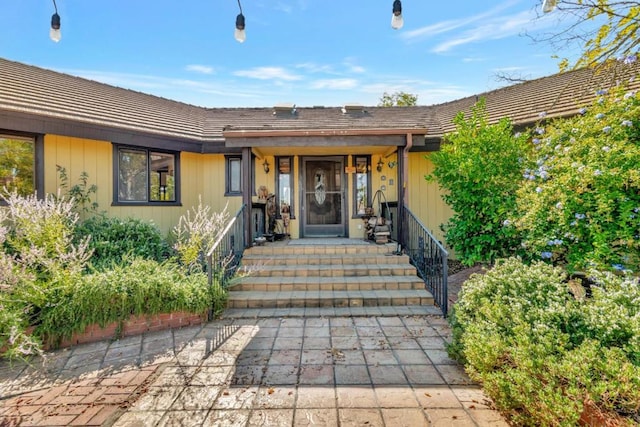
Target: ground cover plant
[(50, 288), (544, 352)]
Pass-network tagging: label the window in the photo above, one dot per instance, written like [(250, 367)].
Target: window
[(285, 190), (233, 184), (18, 164), (146, 176), (362, 185)]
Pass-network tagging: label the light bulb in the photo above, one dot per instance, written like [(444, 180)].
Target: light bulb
[(396, 21), (549, 5), (55, 34), (240, 35)]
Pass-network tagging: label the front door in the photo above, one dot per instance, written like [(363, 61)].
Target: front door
[(323, 207)]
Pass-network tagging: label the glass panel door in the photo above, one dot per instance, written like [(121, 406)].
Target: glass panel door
[(324, 209)]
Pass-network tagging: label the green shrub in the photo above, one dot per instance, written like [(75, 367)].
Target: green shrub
[(541, 353), (137, 287), (580, 205), (114, 240), (480, 167)]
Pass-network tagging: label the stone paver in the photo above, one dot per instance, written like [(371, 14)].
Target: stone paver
[(333, 371)]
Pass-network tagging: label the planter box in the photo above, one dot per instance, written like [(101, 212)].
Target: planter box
[(136, 325)]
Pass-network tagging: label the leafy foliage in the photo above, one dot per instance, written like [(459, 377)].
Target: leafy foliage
[(115, 240), (605, 29), (542, 354), (480, 166), (17, 165), (80, 193), (579, 205), (136, 287), (398, 99)]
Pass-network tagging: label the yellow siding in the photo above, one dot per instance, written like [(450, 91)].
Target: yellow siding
[(425, 199), (201, 175)]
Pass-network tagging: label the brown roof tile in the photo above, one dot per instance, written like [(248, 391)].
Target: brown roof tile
[(44, 93)]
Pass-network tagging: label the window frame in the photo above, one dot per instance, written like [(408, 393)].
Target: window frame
[(354, 198), (148, 152), (228, 159), (38, 158), (292, 184)]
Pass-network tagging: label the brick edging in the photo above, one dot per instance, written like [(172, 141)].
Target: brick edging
[(136, 325)]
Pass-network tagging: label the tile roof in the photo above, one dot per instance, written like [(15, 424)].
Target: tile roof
[(44, 93)]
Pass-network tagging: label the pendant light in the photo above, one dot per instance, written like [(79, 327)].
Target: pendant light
[(396, 18), (54, 32), (240, 34)]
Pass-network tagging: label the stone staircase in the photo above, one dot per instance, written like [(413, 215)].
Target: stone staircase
[(319, 277)]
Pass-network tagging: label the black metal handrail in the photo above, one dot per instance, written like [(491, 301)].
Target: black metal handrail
[(428, 255), (223, 259)]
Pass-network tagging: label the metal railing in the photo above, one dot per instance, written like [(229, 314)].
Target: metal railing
[(223, 259), (428, 256)]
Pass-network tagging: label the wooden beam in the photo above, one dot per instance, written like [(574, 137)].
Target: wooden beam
[(319, 132)]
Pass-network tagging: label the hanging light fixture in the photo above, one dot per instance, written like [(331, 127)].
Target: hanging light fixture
[(265, 166), (549, 5), (380, 165), (396, 18), (54, 33), (240, 33)]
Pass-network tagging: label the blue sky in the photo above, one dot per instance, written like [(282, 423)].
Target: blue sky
[(305, 52)]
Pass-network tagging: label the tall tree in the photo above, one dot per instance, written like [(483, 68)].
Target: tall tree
[(604, 29), (398, 99)]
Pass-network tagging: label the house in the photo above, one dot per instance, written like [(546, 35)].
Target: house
[(155, 158)]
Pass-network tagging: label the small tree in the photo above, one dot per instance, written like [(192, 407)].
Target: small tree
[(398, 99), (480, 167)]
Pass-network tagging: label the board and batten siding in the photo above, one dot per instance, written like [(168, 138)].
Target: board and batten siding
[(425, 198), (201, 176)]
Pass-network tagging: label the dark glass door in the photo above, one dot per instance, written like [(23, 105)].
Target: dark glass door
[(323, 200)]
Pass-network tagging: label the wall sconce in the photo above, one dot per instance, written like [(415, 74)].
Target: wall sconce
[(54, 32), (240, 34), (396, 19), (380, 165), (392, 164), (265, 166)]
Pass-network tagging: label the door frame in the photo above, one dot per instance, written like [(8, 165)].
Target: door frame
[(344, 191)]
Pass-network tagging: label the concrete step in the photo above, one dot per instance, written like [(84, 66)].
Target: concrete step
[(379, 311), (303, 299), (290, 248), (338, 270), (313, 259), (363, 283)]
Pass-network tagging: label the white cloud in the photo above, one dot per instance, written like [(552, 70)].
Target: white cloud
[(268, 73), (453, 24), (203, 69), (493, 29), (312, 67), (335, 84)]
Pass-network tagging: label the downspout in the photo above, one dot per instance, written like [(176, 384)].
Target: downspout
[(405, 168), (404, 199)]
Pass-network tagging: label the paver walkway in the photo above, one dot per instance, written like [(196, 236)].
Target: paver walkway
[(332, 371)]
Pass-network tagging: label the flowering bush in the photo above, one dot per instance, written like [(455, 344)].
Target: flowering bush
[(480, 167), (580, 204), (196, 233), (542, 354)]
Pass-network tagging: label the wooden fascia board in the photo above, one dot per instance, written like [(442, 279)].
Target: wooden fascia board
[(319, 141), (25, 122), (230, 134)]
